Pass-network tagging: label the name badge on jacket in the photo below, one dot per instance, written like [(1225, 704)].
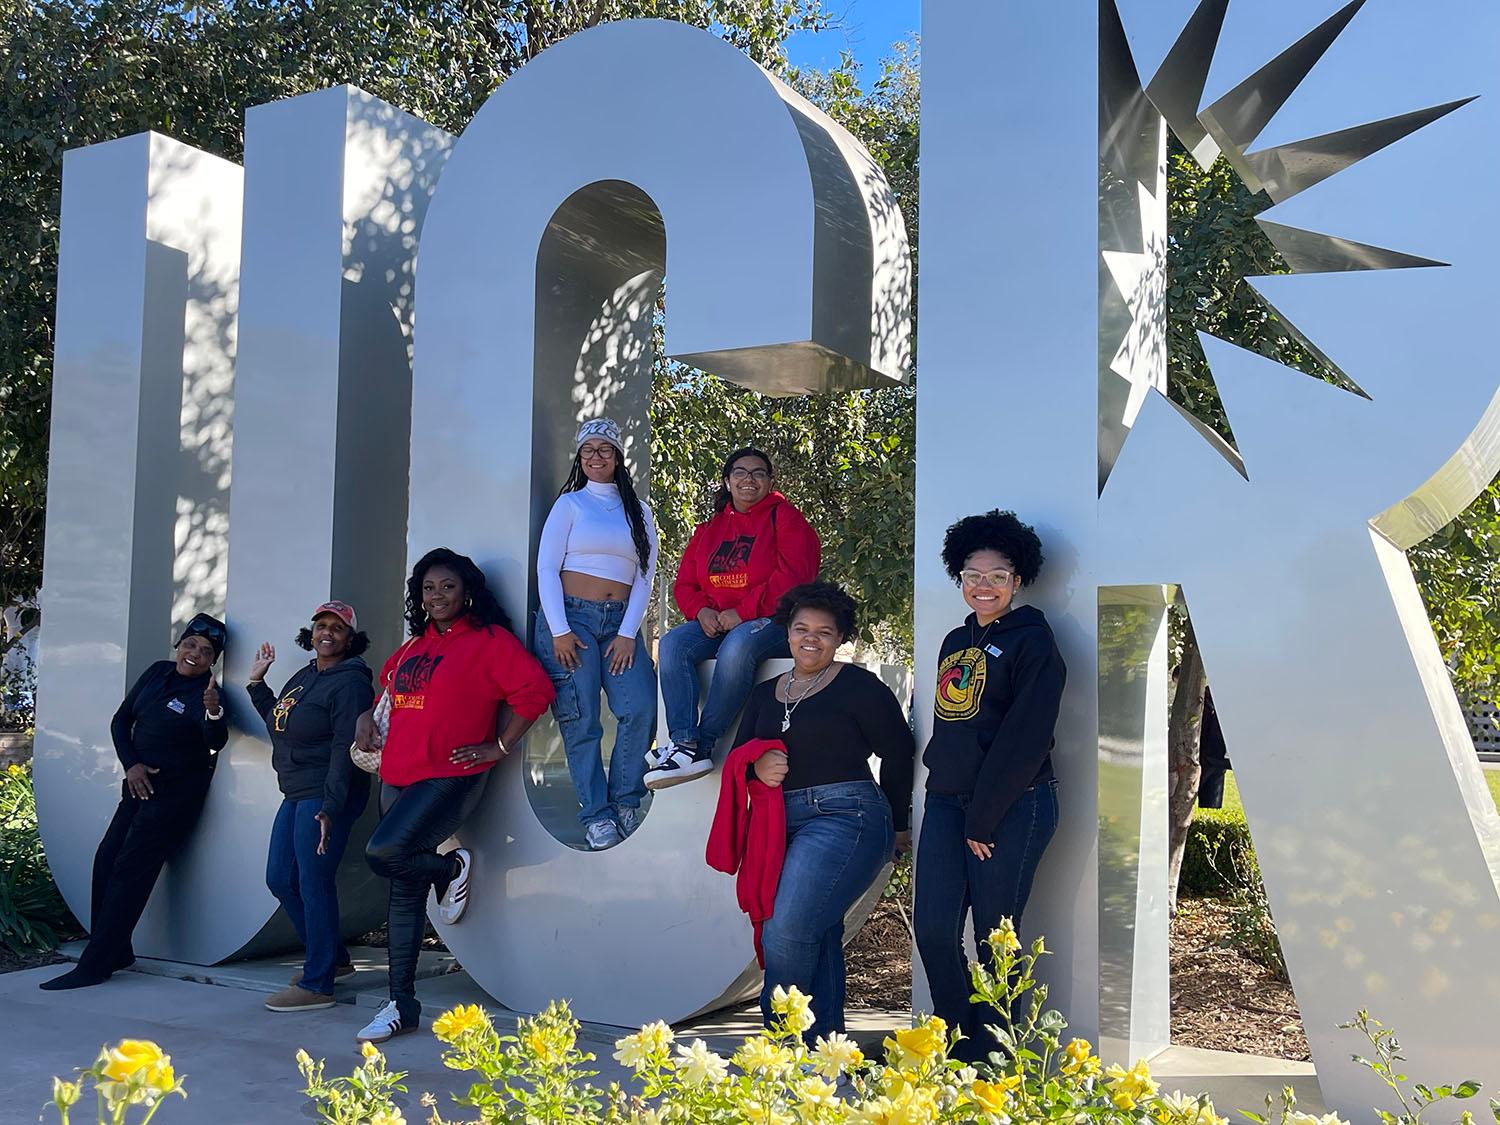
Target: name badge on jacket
[(176, 705)]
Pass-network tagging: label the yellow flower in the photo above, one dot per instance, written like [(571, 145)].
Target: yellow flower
[(65, 1094), (699, 1066), (130, 1056), (816, 1091), (834, 1054), (388, 1117), (1128, 1088), (543, 1045), (912, 1045), (760, 1054), (762, 1114), (912, 1105), (649, 1043), (1004, 936), (794, 1007), (1180, 1109), (369, 1051), (990, 1096), (1079, 1060), (457, 1022)]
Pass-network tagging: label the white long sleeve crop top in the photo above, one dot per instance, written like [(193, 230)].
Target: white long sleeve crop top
[(588, 532)]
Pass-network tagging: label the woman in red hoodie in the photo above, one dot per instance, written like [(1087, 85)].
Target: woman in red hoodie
[(754, 549), (463, 690)]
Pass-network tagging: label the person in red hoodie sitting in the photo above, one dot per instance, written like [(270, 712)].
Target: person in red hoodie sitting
[(737, 565), (463, 690)]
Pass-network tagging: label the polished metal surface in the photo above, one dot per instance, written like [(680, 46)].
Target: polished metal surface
[(138, 490), (335, 192), (786, 270), (1377, 838)]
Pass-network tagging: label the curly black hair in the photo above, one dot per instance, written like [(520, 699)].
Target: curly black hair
[(479, 602), (721, 497), (994, 531), (359, 642), (826, 596)]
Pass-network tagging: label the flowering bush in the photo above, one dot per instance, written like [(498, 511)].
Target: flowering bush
[(133, 1072), (539, 1074)]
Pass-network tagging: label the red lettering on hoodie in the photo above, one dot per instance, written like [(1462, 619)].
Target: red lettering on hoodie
[(745, 561)]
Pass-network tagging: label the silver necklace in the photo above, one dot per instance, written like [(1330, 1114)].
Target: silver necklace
[(789, 705)]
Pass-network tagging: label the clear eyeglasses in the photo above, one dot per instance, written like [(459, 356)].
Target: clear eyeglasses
[(756, 475), (986, 577), (602, 452)]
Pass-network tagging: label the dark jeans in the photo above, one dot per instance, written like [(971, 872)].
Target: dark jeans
[(414, 820), (838, 837), (305, 884), (951, 881), (138, 842)]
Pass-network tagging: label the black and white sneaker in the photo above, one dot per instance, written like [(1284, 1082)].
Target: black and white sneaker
[(455, 900), (681, 764), (387, 1024)]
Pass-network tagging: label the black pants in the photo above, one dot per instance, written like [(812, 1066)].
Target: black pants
[(414, 820), (140, 838)]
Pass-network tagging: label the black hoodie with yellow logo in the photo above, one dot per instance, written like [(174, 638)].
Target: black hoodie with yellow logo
[(999, 688)]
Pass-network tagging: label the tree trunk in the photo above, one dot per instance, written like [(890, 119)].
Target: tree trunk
[(1184, 768)]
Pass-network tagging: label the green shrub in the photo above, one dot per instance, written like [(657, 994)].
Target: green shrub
[(32, 910), (1219, 858)]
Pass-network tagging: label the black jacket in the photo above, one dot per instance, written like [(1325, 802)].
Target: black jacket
[(998, 693), (161, 723), (311, 725)]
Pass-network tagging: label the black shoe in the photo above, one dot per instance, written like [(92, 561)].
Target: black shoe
[(682, 764), (78, 977)]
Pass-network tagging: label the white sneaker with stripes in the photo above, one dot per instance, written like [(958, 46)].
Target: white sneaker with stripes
[(455, 900), (386, 1025)]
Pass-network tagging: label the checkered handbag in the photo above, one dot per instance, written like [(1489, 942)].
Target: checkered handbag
[(369, 760)]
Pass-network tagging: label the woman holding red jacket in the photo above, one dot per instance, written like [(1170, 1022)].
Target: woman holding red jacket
[(463, 691), (737, 565)]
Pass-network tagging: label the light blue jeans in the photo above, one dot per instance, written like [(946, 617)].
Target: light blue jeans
[(632, 701), (739, 653)]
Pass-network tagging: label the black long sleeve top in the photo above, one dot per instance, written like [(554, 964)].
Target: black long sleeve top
[(999, 690), (834, 732), (311, 724), (162, 722)]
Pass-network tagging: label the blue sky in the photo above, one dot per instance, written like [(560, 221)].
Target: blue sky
[(868, 28)]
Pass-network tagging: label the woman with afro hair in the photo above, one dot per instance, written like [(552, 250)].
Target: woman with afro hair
[(463, 690), (991, 804)]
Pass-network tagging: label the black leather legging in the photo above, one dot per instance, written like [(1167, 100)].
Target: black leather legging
[(414, 820)]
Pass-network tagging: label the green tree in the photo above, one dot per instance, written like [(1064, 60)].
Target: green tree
[(847, 460), (75, 72)]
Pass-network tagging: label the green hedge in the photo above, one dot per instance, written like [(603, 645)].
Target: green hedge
[(1219, 858)]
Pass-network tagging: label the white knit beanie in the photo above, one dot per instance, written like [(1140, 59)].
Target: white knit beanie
[(606, 428)]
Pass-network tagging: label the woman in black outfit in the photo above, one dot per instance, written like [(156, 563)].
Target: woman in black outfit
[(841, 828), (991, 805), (166, 734)]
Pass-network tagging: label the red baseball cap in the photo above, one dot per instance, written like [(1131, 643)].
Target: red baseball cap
[(342, 610)]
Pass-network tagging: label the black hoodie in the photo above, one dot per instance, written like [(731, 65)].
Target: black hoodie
[(999, 688), (311, 726)]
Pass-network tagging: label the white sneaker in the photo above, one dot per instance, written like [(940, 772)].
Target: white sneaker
[(683, 764), (629, 818), (455, 900), (602, 834), (658, 754), (387, 1024)]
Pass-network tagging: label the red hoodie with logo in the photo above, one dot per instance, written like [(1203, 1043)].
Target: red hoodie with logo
[(745, 561), (446, 692)]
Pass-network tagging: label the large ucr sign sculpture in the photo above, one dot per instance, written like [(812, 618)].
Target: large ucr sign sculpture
[(555, 219)]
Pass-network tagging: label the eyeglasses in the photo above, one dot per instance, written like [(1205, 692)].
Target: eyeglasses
[(986, 577), (604, 452), (757, 475)]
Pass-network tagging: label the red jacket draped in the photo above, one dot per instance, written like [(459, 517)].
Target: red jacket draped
[(748, 835)]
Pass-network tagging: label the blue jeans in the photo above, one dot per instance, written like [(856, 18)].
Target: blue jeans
[(739, 652), (838, 837), (305, 883), (951, 880), (632, 700)]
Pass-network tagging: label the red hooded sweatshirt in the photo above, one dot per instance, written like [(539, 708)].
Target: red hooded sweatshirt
[(745, 561), (446, 692), (749, 834)]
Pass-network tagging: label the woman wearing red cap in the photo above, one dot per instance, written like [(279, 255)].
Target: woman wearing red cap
[(463, 690), (311, 722)]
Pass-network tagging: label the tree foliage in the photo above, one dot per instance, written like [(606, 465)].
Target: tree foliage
[(847, 460)]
